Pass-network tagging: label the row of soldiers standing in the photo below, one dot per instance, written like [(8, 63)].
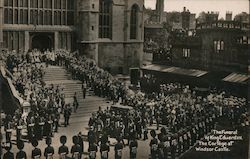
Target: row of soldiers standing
[(169, 146)]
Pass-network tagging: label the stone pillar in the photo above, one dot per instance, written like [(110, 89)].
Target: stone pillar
[(56, 40), (27, 43)]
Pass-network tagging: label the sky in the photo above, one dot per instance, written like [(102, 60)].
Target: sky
[(197, 6)]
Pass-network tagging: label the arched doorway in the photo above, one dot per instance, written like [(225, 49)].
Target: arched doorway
[(41, 42)]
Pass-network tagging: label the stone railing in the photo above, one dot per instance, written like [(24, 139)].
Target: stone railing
[(14, 93)]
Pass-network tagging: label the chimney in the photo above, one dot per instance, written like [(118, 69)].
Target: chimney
[(229, 16)]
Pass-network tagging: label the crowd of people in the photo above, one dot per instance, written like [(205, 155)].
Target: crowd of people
[(46, 102), (182, 116)]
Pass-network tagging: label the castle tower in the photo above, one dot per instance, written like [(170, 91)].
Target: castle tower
[(87, 27), (229, 16), (160, 10)]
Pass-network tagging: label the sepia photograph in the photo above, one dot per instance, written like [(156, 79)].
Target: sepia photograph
[(125, 79)]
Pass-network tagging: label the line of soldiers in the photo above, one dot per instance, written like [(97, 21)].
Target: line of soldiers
[(75, 152), (167, 145)]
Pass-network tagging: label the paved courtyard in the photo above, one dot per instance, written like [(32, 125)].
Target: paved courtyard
[(79, 123)]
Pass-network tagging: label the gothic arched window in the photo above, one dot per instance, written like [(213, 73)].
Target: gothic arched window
[(105, 19), (134, 21)]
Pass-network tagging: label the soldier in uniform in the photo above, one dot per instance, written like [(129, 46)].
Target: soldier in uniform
[(133, 147), (84, 89), (75, 102), (19, 128), (153, 145), (173, 145), (66, 115), (75, 149), (36, 152), (80, 142), (63, 150), (104, 148), (91, 135), (21, 154), (30, 122), (56, 119), (92, 150), (49, 150), (167, 146), (8, 154), (118, 149), (98, 128), (132, 132), (41, 127)]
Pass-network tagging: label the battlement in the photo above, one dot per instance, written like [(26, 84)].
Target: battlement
[(223, 25)]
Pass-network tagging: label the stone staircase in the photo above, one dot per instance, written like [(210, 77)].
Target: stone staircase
[(59, 76)]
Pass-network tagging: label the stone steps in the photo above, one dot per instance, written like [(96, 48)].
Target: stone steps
[(59, 76)]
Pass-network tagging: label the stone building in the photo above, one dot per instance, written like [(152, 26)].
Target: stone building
[(217, 46), (109, 31)]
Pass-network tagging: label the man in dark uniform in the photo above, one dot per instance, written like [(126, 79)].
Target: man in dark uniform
[(153, 145), (63, 150), (30, 122), (118, 149), (92, 150), (84, 89), (21, 154), (36, 152), (80, 142), (19, 127), (133, 147), (56, 119), (49, 150), (104, 148), (167, 146), (91, 135), (66, 115), (75, 149), (8, 154), (41, 127)]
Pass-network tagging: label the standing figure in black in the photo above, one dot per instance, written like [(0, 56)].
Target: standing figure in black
[(118, 149), (84, 89), (104, 148), (91, 135), (63, 149), (80, 142), (133, 148), (153, 145), (21, 154), (8, 154), (49, 150), (36, 152), (75, 149), (67, 113), (92, 150), (75, 102)]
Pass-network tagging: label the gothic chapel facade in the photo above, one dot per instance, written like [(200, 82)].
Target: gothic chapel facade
[(109, 31)]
